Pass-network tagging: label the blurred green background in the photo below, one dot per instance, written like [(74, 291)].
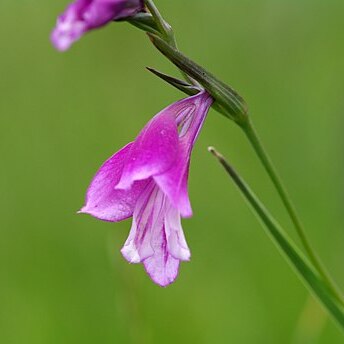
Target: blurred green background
[(63, 279)]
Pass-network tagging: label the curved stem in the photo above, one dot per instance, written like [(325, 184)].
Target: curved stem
[(270, 169), (305, 270)]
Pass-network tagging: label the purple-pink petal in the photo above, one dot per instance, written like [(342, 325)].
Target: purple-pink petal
[(103, 201), (174, 183), (69, 27), (154, 150)]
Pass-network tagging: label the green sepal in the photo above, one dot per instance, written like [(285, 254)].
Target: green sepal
[(145, 22), (183, 86)]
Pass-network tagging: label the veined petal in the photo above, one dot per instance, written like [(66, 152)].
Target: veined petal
[(176, 243), (153, 151), (147, 215), (156, 237), (103, 201), (162, 268)]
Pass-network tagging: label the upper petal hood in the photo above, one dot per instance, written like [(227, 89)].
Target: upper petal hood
[(173, 182), (154, 150)]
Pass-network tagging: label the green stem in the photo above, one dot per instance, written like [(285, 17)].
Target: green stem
[(267, 163), (167, 33), (229, 103), (303, 268)]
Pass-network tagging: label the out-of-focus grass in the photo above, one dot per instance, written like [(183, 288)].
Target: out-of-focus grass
[(63, 279)]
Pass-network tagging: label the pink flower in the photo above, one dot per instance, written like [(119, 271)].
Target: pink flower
[(147, 180), (85, 15)]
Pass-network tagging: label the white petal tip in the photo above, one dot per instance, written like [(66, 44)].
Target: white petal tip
[(131, 254), (82, 211)]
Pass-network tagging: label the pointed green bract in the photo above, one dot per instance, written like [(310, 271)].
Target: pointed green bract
[(177, 83), (232, 104)]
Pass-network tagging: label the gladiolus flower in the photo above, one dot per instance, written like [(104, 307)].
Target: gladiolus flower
[(85, 15), (147, 180)]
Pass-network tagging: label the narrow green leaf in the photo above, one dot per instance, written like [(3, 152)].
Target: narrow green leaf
[(302, 267)]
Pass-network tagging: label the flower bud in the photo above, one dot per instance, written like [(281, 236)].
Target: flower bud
[(85, 15)]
